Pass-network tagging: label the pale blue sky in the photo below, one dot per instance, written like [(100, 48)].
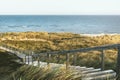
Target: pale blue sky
[(60, 7)]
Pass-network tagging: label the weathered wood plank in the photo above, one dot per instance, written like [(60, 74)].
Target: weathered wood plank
[(99, 73), (110, 76), (102, 60), (75, 59), (91, 71)]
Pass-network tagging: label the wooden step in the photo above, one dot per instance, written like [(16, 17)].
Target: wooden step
[(91, 71), (86, 73), (81, 69), (111, 76), (105, 74), (99, 73)]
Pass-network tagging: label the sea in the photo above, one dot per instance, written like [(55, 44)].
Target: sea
[(81, 24)]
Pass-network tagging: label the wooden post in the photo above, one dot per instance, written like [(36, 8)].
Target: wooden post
[(75, 59), (48, 60), (102, 60), (32, 56), (25, 59), (118, 64), (38, 59), (58, 58), (67, 61), (28, 58)]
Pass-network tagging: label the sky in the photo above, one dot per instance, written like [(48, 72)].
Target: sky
[(60, 7)]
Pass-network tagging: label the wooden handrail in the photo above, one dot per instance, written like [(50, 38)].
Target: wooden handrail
[(99, 48)]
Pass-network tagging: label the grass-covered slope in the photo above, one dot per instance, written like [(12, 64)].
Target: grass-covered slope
[(39, 73), (44, 42), (11, 70), (7, 64)]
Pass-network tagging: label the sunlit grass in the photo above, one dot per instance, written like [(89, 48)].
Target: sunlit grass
[(39, 73), (46, 42)]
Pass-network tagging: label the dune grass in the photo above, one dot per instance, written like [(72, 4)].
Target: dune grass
[(7, 64), (39, 73), (11, 70), (46, 42)]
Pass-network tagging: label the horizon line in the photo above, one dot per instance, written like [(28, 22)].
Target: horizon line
[(63, 14)]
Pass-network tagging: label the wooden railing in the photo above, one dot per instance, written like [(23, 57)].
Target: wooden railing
[(98, 48), (67, 52)]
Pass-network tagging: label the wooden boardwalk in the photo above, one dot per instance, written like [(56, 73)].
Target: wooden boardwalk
[(84, 72)]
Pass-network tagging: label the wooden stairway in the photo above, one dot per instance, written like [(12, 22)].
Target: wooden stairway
[(84, 72)]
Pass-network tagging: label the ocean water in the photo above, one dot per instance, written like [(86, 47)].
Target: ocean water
[(82, 24)]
